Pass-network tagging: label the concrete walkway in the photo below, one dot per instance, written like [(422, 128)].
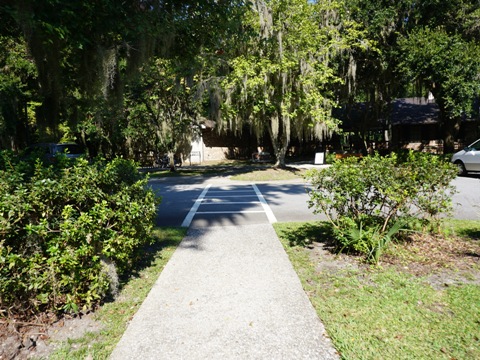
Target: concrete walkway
[(228, 292)]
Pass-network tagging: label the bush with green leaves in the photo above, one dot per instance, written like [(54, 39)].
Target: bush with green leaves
[(369, 201), (68, 230)]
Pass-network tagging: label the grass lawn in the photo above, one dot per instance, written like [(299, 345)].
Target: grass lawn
[(269, 174), (241, 171), (413, 306)]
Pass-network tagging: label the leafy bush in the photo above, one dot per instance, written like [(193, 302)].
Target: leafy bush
[(369, 201), (67, 230)]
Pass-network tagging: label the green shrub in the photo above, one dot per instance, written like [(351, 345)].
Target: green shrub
[(67, 230), (368, 201)]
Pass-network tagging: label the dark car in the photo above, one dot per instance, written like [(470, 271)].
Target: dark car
[(51, 150)]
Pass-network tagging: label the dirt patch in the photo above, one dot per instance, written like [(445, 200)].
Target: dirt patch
[(440, 261), (40, 337)]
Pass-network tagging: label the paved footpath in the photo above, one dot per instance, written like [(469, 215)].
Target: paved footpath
[(228, 292)]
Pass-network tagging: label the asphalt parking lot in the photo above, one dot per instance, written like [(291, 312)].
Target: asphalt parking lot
[(203, 202)]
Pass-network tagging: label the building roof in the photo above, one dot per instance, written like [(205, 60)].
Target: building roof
[(403, 111), (414, 111), (357, 115)]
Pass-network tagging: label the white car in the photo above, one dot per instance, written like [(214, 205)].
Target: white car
[(468, 159)]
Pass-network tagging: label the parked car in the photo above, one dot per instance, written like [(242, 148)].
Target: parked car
[(51, 150), (468, 159)]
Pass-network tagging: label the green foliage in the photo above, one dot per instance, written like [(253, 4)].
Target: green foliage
[(369, 73), (282, 75), (368, 201), (67, 231), (419, 47), (369, 240), (15, 72), (447, 64), (86, 65), (441, 54), (162, 109)]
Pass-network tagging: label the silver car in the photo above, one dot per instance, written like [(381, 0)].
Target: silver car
[(468, 159)]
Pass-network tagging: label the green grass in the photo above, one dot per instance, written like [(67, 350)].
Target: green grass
[(185, 172), (466, 228), (376, 313), (209, 168), (241, 171), (114, 316), (269, 174)]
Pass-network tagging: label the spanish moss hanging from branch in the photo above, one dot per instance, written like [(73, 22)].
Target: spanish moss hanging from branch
[(281, 85)]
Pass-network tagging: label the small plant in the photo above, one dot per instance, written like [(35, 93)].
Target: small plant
[(367, 200)]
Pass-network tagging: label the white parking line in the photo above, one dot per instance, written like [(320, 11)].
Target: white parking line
[(228, 196), (229, 190), (210, 202), (231, 212), (193, 210), (202, 200), (271, 217)]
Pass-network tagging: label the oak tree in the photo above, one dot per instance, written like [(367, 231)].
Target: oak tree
[(280, 79)]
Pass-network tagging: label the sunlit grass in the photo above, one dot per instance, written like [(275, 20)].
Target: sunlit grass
[(270, 174), (465, 228), (185, 172), (240, 171), (376, 313)]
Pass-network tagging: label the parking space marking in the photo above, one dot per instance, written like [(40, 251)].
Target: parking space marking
[(235, 196), (232, 212), (223, 200), (229, 190), (268, 211), (193, 210), (213, 202)]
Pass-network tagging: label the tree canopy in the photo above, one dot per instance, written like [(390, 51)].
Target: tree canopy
[(442, 54), (111, 75), (282, 75), (85, 55)]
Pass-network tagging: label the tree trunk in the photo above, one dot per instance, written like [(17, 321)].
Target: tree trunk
[(171, 157), (280, 147), (450, 134), (450, 129)]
